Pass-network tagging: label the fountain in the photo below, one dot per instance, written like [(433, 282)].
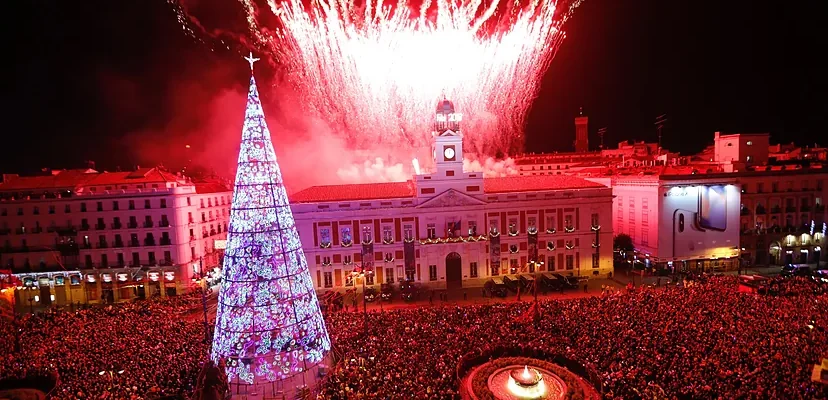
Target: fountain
[(526, 383)]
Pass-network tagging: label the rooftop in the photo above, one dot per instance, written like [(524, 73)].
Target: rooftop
[(398, 190), (76, 178)]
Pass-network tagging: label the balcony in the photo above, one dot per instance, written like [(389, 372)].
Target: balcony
[(100, 227), (165, 242), (117, 225), (102, 245), (134, 243), (118, 243), (166, 263), (84, 227), (149, 242), (5, 231), (790, 209), (164, 224), (805, 208), (744, 211), (86, 246), (776, 210), (132, 225), (148, 224), (205, 235), (20, 231), (761, 210), (37, 229), (192, 238)]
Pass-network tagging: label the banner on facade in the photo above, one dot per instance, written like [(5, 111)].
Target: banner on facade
[(368, 256), (533, 247), (410, 261), (494, 252)]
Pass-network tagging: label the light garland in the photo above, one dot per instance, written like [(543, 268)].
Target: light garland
[(268, 322), (454, 240)]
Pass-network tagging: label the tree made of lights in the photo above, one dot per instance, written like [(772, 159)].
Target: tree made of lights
[(268, 324)]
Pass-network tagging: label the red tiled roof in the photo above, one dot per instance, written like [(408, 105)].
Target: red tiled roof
[(536, 183), (211, 187), (364, 191), (71, 179)]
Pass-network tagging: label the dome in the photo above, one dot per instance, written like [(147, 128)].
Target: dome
[(445, 106)]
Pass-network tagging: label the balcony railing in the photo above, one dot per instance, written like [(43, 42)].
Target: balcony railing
[(135, 243), (148, 224), (744, 211), (132, 225), (37, 229), (118, 243), (805, 208), (776, 210), (149, 242), (165, 242), (164, 224), (5, 231), (790, 209), (102, 245), (100, 227), (117, 225), (20, 231)]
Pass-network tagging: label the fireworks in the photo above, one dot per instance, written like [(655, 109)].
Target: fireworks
[(375, 71)]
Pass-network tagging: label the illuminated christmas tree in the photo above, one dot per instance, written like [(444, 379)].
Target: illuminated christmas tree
[(268, 323)]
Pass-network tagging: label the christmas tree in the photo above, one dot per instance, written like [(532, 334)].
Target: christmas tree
[(268, 323)]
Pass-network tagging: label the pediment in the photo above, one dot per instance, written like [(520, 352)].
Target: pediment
[(449, 132), (451, 198)]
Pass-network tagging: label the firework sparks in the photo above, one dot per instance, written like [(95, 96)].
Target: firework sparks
[(375, 71)]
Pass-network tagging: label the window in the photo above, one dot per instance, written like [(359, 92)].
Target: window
[(121, 261), (83, 207), (147, 204), (35, 210), (5, 212), (347, 260), (131, 205), (67, 209), (116, 205), (136, 260), (325, 238), (203, 217), (569, 225), (99, 205), (327, 277), (326, 261), (513, 227), (88, 261), (532, 225), (189, 202), (151, 257), (349, 278), (51, 209), (409, 232), (645, 234), (774, 187), (210, 215), (163, 203), (570, 261), (190, 218), (644, 203), (595, 220), (192, 253), (432, 231), (209, 202), (387, 235), (472, 228), (202, 203), (86, 242), (550, 263), (101, 240), (550, 224), (644, 219), (493, 227), (347, 239), (473, 270), (432, 272), (389, 275)]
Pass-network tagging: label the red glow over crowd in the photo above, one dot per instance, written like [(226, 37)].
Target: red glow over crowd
[(708, 340)]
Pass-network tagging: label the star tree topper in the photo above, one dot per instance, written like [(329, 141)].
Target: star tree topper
[(251, 60)]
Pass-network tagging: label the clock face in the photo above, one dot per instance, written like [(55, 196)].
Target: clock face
[(448, 152)]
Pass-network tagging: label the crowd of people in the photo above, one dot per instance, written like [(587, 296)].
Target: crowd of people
[(704, 341), (127, 351)]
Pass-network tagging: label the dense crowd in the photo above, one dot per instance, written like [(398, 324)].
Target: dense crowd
[(705, 341), (128, 351)]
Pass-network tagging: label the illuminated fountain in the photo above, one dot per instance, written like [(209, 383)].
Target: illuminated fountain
[(526, 384)]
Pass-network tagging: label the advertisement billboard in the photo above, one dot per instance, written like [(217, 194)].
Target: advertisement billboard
[(702, 222)]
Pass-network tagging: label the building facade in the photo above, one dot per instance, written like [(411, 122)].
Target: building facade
[(451, 228), (82, 236)]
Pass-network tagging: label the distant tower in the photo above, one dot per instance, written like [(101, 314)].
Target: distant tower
[(269, 326), (581, 132)]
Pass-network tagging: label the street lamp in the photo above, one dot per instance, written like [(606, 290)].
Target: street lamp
[(111, 376), (364, 274)]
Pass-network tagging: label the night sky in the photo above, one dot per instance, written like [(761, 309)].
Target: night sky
[(118, 82)]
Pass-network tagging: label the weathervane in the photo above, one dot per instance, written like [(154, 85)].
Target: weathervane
[(251, 60)]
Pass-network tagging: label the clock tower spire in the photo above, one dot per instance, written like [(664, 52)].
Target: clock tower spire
[(448, 140)]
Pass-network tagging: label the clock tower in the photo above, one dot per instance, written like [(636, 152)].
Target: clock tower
[(448, 141)]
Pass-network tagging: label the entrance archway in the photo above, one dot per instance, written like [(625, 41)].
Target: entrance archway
[(454, 271)]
